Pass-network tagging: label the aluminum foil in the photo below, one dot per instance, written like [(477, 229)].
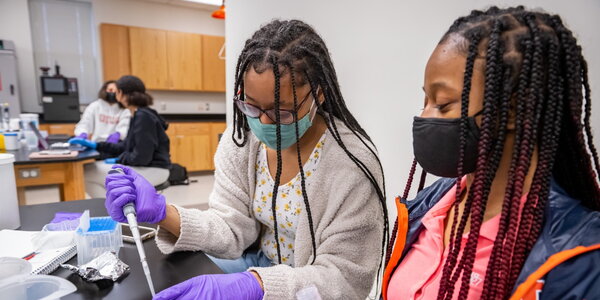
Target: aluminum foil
[(105, 266)]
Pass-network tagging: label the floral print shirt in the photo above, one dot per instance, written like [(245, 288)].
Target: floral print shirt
[(289, 205)]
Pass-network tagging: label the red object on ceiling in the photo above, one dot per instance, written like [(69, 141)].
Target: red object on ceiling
[(219, 13)]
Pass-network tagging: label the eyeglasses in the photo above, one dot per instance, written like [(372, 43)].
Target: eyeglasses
[(286, 116)]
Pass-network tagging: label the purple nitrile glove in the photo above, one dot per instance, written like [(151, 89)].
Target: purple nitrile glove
[(121, 189), (113, 138), (64, 216), (242, 286), (83, 136)]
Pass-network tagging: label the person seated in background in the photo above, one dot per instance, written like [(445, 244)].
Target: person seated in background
[(105, 119), (146, 147)]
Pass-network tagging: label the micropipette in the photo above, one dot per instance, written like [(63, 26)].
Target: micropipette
[(129, 212)]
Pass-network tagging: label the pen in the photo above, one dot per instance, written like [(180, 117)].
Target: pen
[(29, 256)]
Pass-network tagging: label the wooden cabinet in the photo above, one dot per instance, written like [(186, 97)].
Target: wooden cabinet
[(214, 65), (184, 61), (148, 53), (67, 129), (164, 60), (114, 40), (193, 144)]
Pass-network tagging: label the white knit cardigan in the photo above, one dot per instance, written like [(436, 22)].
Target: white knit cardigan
[(346, 212)]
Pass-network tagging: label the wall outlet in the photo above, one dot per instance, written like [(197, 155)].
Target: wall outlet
[(29, 173), (163, 106), (204, 107)]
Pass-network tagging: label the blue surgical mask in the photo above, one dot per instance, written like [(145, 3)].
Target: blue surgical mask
[(267, 133)]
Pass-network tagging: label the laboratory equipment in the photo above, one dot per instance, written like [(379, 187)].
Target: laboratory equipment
[(35, 287), (9, 205), (129, 212), (13, 266), (11, 141), (94, 236), (26, 119), (30, 139), (9, 79), (5, 115), (60, 98)]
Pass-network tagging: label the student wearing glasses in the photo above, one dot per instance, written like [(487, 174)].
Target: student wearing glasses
[(298, 205)]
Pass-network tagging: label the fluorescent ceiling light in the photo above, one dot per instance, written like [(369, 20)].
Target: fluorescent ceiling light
[(209, 2)]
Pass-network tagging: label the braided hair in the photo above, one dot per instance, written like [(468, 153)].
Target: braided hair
[(533, 66), (294, 47)]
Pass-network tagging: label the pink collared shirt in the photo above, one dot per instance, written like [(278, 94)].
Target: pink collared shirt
[(418, 275)]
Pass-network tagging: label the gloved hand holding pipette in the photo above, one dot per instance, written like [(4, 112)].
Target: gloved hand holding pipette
[(131, 187), (121, 201)]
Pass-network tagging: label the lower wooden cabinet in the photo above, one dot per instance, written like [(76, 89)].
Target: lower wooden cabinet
[(193, 144), (67, 128)]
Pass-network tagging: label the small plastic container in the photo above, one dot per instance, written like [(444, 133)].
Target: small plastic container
[(35, 287), (2, 147), (96, 236), (11, 267), (11, 141), (27, 118), (9, 205), (31, 139)]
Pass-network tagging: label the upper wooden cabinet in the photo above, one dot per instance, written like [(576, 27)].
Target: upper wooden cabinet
[(148, 50), (164, 60), (214, 65), (114, 40), (185, 61)]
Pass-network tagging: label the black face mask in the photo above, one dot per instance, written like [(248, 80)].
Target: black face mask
[(111, 97), (436, 145)]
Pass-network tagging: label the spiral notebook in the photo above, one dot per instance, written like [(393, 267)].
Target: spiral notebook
[(16, 243)]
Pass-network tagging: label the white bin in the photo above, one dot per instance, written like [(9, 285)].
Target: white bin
[(9, 204)]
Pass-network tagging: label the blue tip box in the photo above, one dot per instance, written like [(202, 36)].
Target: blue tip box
[(103, 234)]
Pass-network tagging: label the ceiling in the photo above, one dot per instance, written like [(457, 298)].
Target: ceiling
[(205, 5)]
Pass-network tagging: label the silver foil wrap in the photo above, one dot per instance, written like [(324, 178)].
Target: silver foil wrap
[(105, 266)]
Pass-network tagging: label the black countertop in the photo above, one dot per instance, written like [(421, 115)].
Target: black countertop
[(22, 156)]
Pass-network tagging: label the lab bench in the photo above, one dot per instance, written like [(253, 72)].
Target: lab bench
[(193, 138), (166, 270)]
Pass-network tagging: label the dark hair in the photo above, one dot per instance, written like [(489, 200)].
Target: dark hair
[(533, 66), (102, 91), (134, 89), (293, 46)]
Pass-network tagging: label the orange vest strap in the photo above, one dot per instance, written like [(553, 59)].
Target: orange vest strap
[(398, 247), (525, 288)]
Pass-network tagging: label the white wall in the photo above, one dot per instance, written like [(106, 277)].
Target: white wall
[(380, 49), (63, 32), (166, 17), (15, 26)]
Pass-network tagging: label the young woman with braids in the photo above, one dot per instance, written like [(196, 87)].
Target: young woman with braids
[(507, 119), (296, 174)]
